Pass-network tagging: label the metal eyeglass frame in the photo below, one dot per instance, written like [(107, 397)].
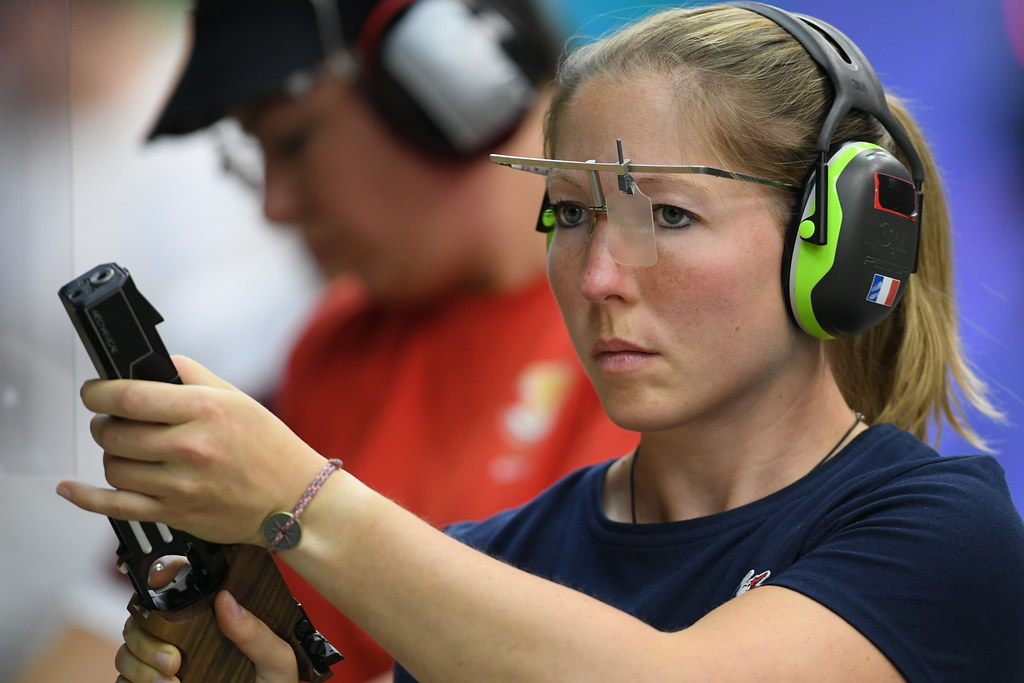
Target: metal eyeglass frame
[(633, 246)]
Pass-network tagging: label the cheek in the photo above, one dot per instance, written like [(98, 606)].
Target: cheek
[(564, 280), (725, 293), (564, 284), (760, 323), (359, 208)]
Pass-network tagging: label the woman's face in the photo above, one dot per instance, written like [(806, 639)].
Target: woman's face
[(703, 334), (365, 203)]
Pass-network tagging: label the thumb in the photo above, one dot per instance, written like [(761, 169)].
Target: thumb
[(273, 657), (192, 372)]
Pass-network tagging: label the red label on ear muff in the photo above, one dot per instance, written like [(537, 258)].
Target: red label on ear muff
[(895, 195)]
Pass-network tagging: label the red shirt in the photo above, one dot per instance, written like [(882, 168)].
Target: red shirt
[(455, 411)]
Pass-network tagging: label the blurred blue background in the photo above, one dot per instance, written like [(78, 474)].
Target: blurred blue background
[(961, 67)]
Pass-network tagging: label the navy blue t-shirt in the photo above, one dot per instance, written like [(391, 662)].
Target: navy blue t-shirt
[(922, 554)]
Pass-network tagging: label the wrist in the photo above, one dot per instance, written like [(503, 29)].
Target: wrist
[(282, 530), (340, 529)]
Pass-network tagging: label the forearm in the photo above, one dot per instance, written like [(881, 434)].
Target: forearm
[(206, 459), (450, 613)]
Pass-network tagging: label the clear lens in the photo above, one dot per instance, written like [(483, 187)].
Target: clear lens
[(631, 236)]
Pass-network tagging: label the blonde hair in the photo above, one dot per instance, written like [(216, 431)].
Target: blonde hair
[(762, 99)]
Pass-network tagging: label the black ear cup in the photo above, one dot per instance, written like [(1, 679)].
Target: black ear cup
[(455, 77), (853, 280)]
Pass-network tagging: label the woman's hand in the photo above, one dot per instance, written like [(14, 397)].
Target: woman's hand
[(146, 659), (202, 457)]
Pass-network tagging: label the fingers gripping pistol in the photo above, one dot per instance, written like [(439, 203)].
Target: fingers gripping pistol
[(118, 328)]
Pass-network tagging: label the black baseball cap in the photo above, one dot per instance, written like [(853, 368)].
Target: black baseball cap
[(243, 50), (459, 100)]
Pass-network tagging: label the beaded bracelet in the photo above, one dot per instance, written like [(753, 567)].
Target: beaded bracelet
[(282, 529)]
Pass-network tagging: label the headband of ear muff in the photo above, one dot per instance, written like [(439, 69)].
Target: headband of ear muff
[(452, 76), (854, 239)]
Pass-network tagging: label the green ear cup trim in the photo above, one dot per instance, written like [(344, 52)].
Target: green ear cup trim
[(547, 218), (812, 262), (807, 228)]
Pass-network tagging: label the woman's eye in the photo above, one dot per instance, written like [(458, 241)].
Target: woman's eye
[(570, 214), (667, 216)]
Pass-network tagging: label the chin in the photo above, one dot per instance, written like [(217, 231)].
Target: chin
[(638, 415)]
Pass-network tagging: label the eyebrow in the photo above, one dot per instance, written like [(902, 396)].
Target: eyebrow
[(252, 116)]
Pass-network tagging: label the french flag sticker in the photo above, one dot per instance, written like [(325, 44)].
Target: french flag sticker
[(883, 290)]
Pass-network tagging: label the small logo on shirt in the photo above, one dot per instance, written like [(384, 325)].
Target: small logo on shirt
[(753, 579)]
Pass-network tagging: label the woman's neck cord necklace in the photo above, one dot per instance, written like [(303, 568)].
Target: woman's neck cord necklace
[(857, 417), (632, 483)]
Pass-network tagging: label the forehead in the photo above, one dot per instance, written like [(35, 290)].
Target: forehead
[(255, 116), (279, 108), (647, 113)]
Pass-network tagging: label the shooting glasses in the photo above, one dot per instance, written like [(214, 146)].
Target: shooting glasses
[(631, 230)]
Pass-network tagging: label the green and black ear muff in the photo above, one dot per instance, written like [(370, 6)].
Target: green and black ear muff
[(853, 241), (852, 280)]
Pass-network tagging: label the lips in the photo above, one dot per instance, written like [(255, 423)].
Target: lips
[(618, 355), (616, 346)]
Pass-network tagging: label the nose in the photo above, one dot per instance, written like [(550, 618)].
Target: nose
[(601, 277)]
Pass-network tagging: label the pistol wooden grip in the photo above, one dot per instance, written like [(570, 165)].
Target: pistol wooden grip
[(207, 655)]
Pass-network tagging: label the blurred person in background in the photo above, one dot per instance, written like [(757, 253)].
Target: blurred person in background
[(372, 126)]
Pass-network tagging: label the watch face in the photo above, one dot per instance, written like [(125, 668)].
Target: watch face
[(282, 523)]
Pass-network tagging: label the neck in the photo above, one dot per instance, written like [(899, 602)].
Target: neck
[(716, 463)]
